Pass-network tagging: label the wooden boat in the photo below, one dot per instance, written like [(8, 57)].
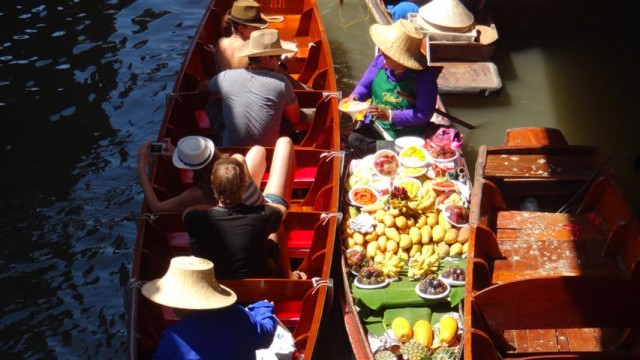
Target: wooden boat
[(312, 221), (554, 255), (466, 67), (368, 313)]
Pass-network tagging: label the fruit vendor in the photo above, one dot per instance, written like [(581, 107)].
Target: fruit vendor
[(401, 86)]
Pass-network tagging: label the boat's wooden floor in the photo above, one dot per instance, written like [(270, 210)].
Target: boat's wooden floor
[(542, 244)]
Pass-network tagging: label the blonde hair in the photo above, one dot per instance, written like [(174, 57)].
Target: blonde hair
[(228, 180)]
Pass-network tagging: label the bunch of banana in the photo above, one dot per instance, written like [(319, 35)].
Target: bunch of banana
[(426, 199), (391, 264), (426, 263)]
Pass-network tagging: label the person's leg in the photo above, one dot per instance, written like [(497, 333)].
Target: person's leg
[(281, 170), (256, 160), (280, 183)]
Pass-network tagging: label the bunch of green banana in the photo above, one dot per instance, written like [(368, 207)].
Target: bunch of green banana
[(425, 264), (391, 264)]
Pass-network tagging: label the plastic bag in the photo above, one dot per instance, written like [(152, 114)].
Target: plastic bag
[(282, 347)]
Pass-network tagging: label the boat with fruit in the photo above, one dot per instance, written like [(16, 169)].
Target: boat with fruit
[(465, 59), (404, 255), (313, 218), (554, 254)]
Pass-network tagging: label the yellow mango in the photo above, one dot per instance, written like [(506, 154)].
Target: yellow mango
[(389, 220), (372, 248), (451, 236), (392, 234), (465, 248), (401, 222), (432, 219), (358, 238), (358, 247), (405, 242), (382, 241), (425, 233), (455, 249), (442, 221), (401, 329), (392, 246), (463, 234), (437, 233), (415, 235), (372, 236), (394, 212), (411, 222), (448, 330), (380, 228), (423, 333), (422, 221), (350, 243), (379, 215)]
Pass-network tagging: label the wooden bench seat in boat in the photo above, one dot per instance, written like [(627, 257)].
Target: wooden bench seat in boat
[(557, 317)]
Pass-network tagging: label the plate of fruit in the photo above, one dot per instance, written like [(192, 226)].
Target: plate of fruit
[(432, 287), (386, 163), (457, 215), (443, 154), (371, 277), (454, 276), (356, 260)]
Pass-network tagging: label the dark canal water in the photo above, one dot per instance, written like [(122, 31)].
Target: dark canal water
[(82, 84)]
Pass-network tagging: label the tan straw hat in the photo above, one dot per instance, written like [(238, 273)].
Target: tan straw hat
[(193, 152), (445, 15), (265, 43), (400, 41), (247, 12), (190, 283)]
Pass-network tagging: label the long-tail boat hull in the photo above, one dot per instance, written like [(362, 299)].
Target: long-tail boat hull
[(313, 218)]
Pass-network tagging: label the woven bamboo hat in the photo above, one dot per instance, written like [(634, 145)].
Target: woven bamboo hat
[(190, 283), (445, 15), (265, 43), (400, 41), (247, 12)]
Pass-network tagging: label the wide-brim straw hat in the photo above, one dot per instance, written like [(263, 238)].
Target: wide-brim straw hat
[(401, 41), (446, 15), (247, 12), (265, 43), (193, 152), (190, 283)]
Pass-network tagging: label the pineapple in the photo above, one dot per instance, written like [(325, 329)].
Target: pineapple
[(413, 350)]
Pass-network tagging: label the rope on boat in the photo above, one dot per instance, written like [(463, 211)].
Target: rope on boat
[(326, 217), (330, 155), (318, 282), (149, 217)]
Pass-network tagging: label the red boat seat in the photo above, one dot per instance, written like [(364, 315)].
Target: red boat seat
[(179, 242)]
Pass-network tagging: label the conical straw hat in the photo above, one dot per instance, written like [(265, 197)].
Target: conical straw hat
[(401, 41), (451, 14), (190, 283)]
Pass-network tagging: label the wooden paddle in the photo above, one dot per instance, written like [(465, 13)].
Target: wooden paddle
[(439, 112)]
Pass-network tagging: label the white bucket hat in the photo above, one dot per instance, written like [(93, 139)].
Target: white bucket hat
[(445, 15), (193, 152), (190, 283), (265, 43), (401, 41)]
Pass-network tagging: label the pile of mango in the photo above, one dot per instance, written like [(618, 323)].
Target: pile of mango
[(409, 227)]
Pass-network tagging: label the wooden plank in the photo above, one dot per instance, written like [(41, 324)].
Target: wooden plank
[(514, 225), (540, 166)]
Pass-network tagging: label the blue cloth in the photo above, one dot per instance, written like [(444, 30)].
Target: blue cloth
[(228, 333), (402, 10)]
